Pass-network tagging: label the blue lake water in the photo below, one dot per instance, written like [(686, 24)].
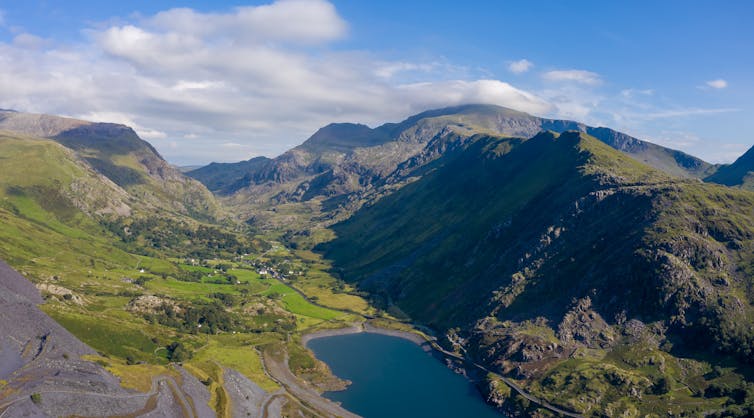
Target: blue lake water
[(393, 377)]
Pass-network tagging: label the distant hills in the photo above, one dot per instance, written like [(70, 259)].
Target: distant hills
[(739, 174)]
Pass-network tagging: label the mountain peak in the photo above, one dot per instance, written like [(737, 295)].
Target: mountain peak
[(740, 173), (37, 124), (343, 137)]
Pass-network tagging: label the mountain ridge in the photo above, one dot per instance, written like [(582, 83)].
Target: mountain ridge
[(341, 159), (118, 153)]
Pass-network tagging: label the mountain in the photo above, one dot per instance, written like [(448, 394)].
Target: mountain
[(739, 174), (116, 152), (592, 270), (344, 166), (224, 178), (344, 158), (599, 283)]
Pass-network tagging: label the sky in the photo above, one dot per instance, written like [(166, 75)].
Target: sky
[(227, 81)]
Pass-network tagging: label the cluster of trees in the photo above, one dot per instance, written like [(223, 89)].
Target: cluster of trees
[(178, 353), (213, 318), (226, 299), (164, 234), (209, 318)]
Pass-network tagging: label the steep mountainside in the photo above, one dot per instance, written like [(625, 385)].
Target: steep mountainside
[(116, 152), (561, 260), (344, 166), (740, 173), (59, 181)]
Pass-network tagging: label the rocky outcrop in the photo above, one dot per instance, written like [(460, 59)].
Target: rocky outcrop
[(150, 304), (585, 327)]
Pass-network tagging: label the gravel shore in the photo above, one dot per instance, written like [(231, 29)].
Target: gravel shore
[(365, 327)]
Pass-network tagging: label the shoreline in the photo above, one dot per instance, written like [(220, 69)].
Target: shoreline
[(365, 327)]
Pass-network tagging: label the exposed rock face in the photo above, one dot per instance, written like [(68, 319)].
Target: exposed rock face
[(152, 304), (583, 326), (264, 307), (523, 350), (63, 292)]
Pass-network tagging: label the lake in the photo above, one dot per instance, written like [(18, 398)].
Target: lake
[(393, 377)]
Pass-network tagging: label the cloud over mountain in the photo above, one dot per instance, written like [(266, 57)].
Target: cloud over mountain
[(264, 76)]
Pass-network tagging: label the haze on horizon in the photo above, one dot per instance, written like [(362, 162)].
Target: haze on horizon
[(219, 81)]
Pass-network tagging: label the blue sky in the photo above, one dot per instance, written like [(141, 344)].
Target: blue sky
[(226, 81)]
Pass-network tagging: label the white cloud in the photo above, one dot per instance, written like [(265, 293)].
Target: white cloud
[(390, 69), (423, 96), (260, 76), (717, 84), (197, 85), (298, 21), (257, 80), (28, 41), (631, 93), (682, 112), (576, 76), (150, 134), (521, 66)]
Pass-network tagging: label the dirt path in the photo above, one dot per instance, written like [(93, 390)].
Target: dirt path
[(150, 398)]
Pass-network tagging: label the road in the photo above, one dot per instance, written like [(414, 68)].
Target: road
[(150, 398), (539, 402), (281, 373)]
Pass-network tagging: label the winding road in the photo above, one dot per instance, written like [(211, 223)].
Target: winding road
[(149, 405)]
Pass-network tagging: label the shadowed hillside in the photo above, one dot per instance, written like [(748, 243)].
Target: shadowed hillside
[(739, 174), (564, 248)]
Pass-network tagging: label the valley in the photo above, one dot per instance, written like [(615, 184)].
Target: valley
[(569, 269)]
